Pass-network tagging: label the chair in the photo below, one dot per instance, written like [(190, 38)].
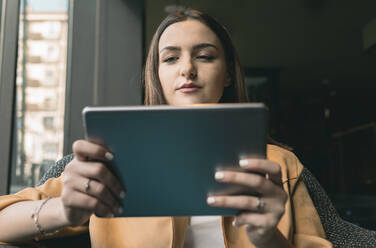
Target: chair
[(56, 169), (338, 231), (341, 233)]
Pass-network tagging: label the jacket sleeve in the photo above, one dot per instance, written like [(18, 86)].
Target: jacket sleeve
[(309, 231), (300, 224), (308, 228), (52, 188)]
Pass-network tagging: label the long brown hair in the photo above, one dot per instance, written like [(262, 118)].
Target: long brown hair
[(236, 92)]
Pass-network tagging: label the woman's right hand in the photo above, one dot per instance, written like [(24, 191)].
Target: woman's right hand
[(89, 187)]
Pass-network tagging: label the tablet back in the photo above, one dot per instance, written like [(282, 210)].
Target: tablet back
[(167, 156)]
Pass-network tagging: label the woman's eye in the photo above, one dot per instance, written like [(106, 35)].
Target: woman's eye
[(170, 59), (206, 57)]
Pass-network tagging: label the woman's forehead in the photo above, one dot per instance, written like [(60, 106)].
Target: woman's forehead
[(187, 33)]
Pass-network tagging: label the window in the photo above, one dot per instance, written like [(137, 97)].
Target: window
[(40, 93), (50, 150), (45, 30), (98, 74), (48, 122)]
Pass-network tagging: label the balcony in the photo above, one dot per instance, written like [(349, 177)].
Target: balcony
[(33, 83), (34, 59), (35, 36), (40, 107)]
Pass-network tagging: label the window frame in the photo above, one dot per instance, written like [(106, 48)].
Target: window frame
[(104, 60), (8, 66)]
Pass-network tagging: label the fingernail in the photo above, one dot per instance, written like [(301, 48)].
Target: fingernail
[(219, 175), (122, 194), (109, 156), (243, 162), (120, 210), (210, 200)]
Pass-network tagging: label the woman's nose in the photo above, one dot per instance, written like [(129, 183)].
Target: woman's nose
[(188, 69)]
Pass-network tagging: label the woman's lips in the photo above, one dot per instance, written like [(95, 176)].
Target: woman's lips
[(189, 90), (189, 87)]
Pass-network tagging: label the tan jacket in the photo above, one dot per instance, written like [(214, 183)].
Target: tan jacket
[(300, 224)]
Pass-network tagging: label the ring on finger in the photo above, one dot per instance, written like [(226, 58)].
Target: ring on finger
[(267, 177), (260, 203), (87, 185)]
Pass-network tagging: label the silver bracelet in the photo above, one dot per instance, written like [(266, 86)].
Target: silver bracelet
[(35, 216)]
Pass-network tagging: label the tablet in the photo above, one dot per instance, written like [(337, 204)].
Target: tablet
[(167, 156)]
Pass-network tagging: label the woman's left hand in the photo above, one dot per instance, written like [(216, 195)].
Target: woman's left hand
[(260, 214)]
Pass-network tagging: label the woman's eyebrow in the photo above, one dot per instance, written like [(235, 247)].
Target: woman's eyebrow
[(204, 45), (195, 47), (170, 48)]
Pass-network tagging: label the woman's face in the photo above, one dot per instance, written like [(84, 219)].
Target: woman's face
[(192, 66)]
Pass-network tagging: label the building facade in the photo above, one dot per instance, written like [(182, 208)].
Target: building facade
[(41, 83)]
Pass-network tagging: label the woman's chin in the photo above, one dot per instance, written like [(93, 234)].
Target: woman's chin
[(187, 101), (190, 100)]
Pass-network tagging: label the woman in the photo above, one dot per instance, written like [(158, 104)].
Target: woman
[(191, 60)]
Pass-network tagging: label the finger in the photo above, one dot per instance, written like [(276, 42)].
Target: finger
[(99, 191), (247, 203), (84, 149), (87, 202), (101, 173), (269, 168), (256, 183)]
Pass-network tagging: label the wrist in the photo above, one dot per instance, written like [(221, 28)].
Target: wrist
[(52, 217), (60, 215)]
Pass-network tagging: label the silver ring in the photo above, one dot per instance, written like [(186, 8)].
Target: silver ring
[(260, 204), (267, 177), (87, 185)]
